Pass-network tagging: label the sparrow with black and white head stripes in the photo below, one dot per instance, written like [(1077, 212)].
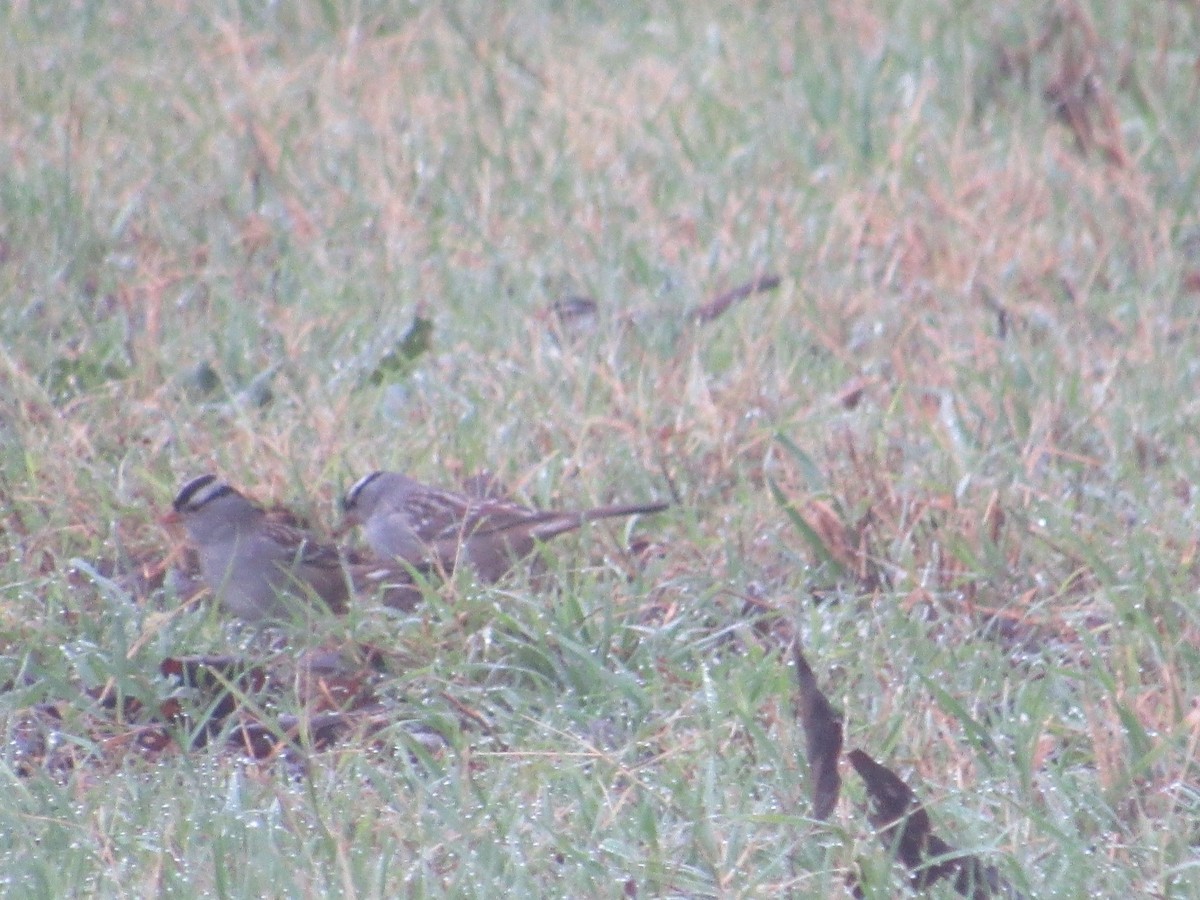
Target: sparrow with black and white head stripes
[(410, 522), (249, 559)]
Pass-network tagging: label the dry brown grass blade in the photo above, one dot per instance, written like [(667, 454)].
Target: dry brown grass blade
[(905, 828), (822, 738), (847, 545), (721, 304), (320, 732), (1077, 91)]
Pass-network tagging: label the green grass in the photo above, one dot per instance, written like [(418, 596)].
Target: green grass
[(215, 223)]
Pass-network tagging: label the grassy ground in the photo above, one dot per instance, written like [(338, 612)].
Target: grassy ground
[(974, 391)]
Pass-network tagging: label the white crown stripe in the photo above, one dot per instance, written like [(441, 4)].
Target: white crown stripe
[(356, 488), (208, 493)]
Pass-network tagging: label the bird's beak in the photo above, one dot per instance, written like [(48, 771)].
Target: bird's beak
[(171, 518)]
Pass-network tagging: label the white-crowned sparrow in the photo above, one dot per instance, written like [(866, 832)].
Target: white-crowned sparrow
[(411, 522), (249, 558)]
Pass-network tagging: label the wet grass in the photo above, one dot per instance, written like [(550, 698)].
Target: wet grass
[(954, 451)]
